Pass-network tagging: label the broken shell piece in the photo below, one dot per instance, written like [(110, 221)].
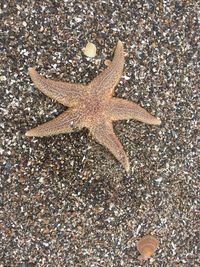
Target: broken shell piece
[(147, 245), (90, 50)]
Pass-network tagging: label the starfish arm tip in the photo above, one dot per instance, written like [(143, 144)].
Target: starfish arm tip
[(158, 121), (125, 162), (127, 167), (120, 44), (28, 134), (32, 133)]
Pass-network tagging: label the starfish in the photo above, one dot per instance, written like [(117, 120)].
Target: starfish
[(92, 106)]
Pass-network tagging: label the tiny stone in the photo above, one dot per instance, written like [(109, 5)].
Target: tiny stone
[(2, 78), (42, 180)]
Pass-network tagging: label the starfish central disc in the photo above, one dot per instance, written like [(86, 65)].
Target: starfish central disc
[(94, 108)]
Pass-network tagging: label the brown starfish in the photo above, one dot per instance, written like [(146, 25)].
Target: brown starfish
[(92, 106)]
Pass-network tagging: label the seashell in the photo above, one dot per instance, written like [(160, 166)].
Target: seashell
[(147, 245), (90, 50)]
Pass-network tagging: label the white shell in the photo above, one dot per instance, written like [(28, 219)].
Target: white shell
[(90, 50)]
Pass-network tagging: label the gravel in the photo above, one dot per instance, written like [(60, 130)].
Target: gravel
[(65, 200)]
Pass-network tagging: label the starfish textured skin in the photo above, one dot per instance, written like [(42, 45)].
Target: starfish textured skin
[(92, 106)]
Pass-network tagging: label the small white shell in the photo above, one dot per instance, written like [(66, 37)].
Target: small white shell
[(90, 50), (147, 245)]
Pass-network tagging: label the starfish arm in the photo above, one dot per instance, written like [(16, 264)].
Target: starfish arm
[(67, 122), (120, 109), (109, 78), (104, 134), (65, 93)]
